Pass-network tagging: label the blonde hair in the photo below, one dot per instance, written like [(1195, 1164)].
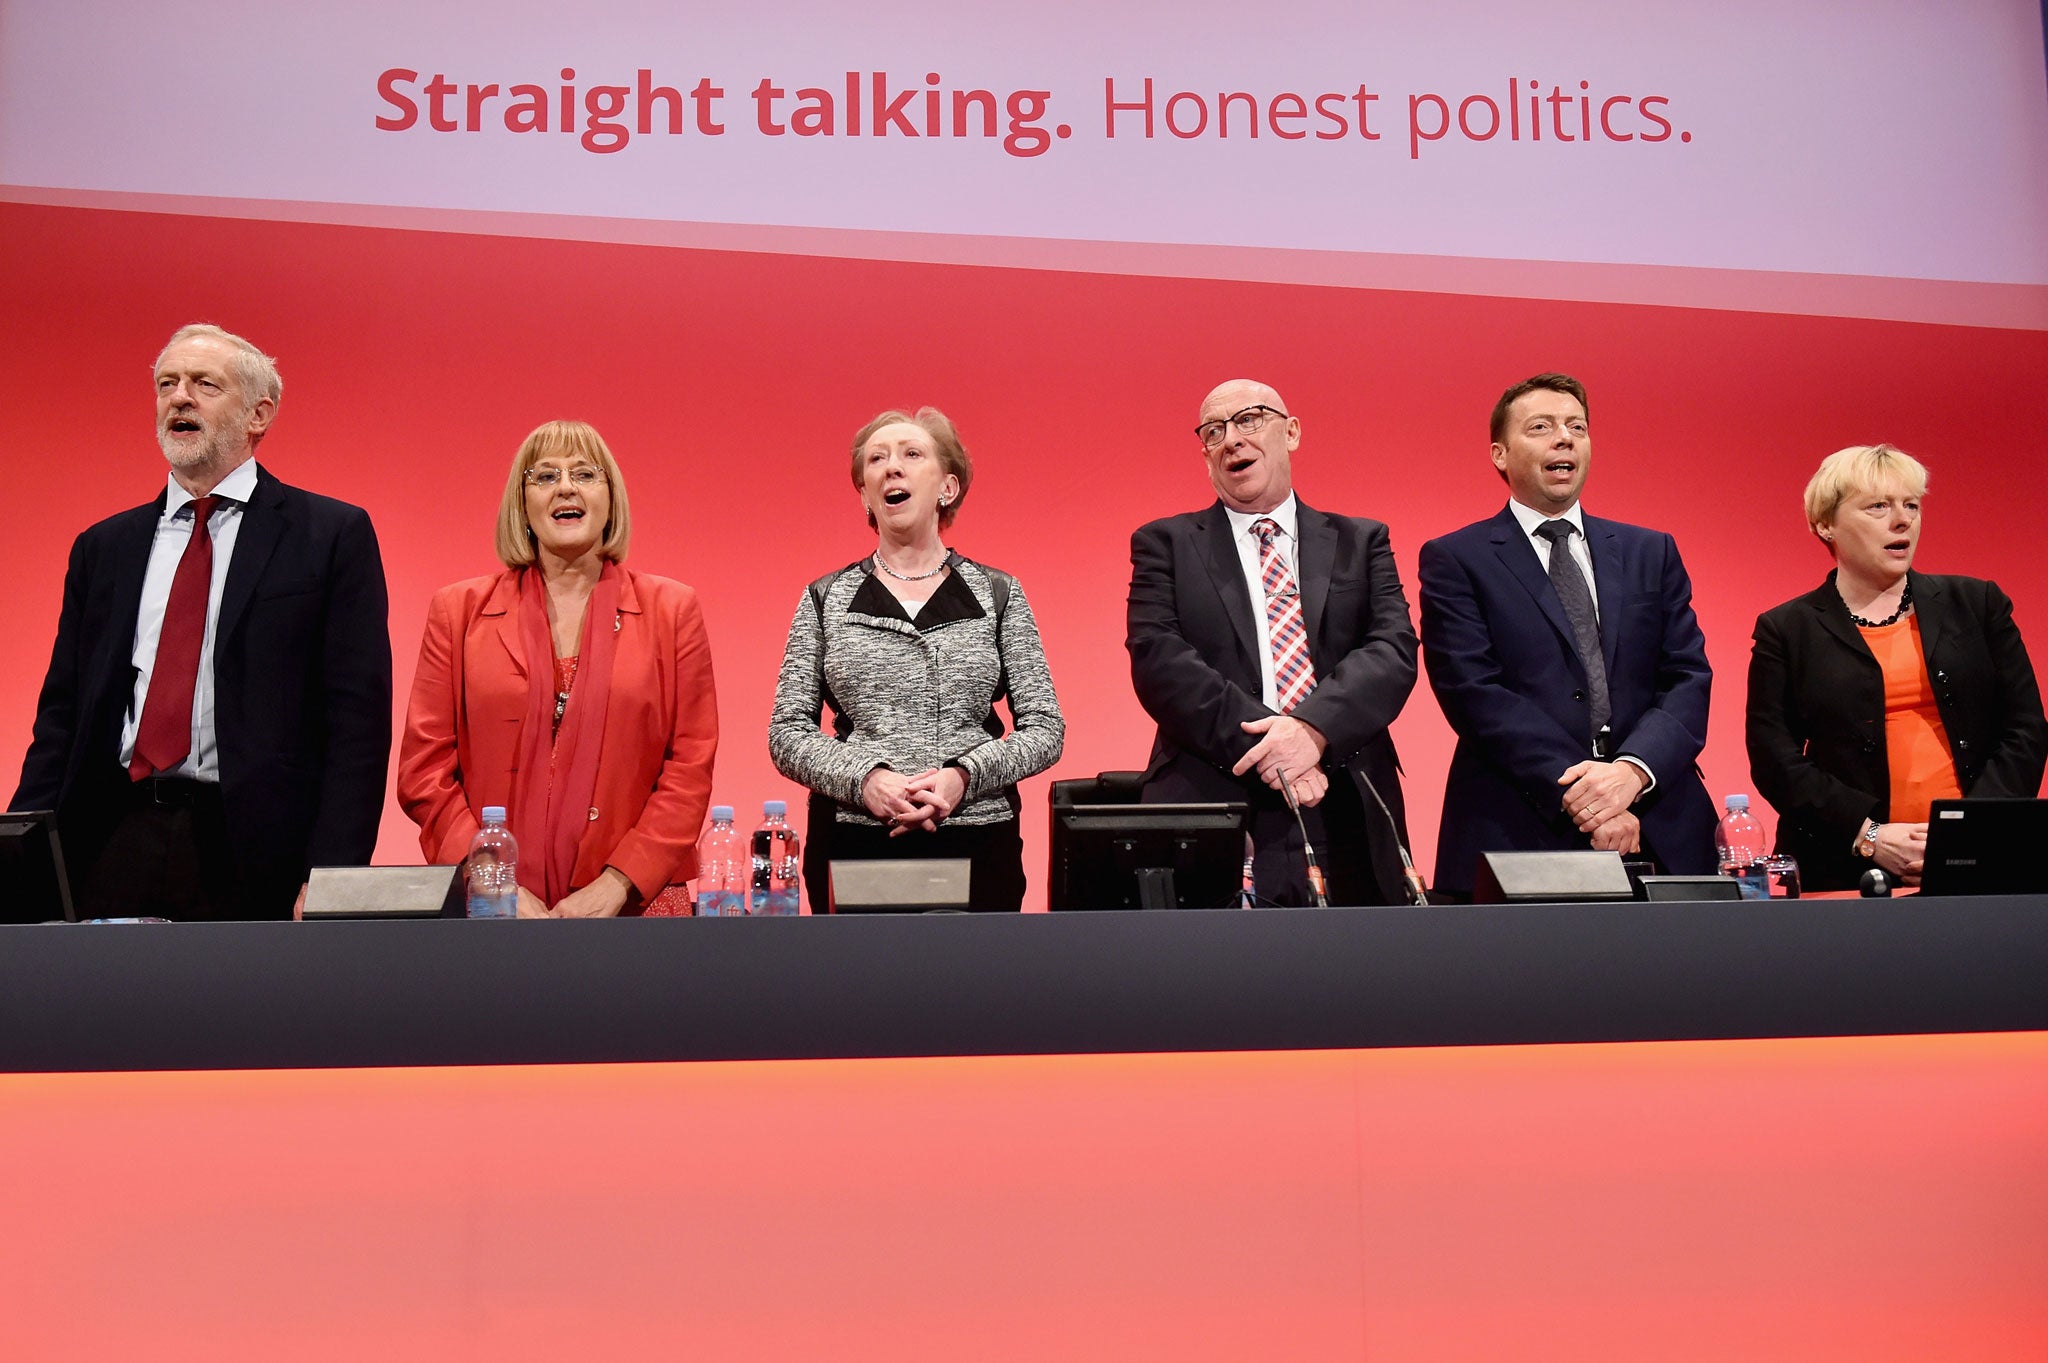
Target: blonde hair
[(1859, 468), (567, 441), (945, 443)]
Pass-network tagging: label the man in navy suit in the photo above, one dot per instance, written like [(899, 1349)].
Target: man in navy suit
[(1295, 691), (1565, 655), (254, 615)]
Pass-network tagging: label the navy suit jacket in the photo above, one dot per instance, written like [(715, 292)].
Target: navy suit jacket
[(302, 689), (1504, 667), (1195, 663)]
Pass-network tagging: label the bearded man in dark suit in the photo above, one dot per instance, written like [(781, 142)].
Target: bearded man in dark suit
[(216, 718)]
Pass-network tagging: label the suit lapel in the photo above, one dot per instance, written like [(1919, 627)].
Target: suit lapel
[(503, 606), (1519, 557), (1610, 583), (1834, 620), (131, 566), (1930, 606), (1317, 560), (1226, 572), (264, 525)]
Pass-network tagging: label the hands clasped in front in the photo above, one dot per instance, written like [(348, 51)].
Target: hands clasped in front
[(1902, 851), (917, 803), (604, 897), (1598, 796), (1287, 747)]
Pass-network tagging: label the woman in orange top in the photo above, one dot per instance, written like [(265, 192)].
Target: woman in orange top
[(573, 691), (1884, 689)]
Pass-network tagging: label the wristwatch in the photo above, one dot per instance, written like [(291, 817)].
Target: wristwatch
[(1866, 845)]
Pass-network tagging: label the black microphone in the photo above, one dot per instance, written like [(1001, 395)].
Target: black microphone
[(1418, 893), (1875, 884), (1308, 851)]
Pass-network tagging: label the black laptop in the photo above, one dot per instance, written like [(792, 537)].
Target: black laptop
[(1986, 847)]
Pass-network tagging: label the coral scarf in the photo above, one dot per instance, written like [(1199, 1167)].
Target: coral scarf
[(557, 772)]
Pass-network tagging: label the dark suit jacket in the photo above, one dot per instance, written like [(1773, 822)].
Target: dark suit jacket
[(1816, 714), (1195, 664), (1507, 674), (302, 689)]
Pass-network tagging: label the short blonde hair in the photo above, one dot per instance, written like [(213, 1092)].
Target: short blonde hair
[(567, 441), (945, 442), (1860, 468)]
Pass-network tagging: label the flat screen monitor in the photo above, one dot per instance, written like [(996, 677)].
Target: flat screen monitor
[(1123, 856), (33, 885)]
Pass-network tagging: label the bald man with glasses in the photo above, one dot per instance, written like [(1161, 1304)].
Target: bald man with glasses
[(1271, 643)]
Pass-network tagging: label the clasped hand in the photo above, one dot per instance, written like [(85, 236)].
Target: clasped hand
[(1598, 796), (1902, 851), (1288, 747), (604, 897), (913, 803)]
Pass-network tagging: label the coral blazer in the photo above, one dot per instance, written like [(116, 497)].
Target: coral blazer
[(469, 694)]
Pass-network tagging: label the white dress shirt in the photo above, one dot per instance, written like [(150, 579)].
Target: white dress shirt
[(1532, 520), (1288, 544), (173, 534)]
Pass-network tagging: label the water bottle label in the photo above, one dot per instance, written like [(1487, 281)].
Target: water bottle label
[(1753, 879), (493, 904), (781, 903)]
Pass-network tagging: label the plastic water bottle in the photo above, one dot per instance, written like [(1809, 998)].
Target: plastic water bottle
[(494, 868), (1740, 841), (722, 868), (777, 873)]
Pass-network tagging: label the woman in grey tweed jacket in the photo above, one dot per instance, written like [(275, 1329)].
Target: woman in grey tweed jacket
[(910, 648)]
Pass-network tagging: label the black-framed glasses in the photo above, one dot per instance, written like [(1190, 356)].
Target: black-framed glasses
[(1248, 421), (583, 475)]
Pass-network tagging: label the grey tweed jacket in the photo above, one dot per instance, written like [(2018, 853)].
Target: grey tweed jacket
[(913, 695)]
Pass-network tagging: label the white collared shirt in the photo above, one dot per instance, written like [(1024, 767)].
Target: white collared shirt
[(173, 534), (1288, 544), (1581, 550)]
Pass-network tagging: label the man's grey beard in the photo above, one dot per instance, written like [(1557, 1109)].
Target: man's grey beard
[(209, 451)]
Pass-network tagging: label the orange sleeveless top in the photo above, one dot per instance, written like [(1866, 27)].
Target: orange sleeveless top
[(1923, 769)]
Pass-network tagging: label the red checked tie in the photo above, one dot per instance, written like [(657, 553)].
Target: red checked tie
[(165, 735), (1294, 676)]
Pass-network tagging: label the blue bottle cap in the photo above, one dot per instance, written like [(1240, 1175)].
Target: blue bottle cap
[(774, 809), (1737, 802), (494, 813), (721, 813)]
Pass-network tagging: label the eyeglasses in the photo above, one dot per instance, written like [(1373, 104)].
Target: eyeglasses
[(583, 475), (1248, 421)]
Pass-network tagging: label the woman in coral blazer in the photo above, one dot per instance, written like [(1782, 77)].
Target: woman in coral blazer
[(571, 690)]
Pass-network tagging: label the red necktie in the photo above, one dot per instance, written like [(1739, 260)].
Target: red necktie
[(1294, 675), (165, 735)]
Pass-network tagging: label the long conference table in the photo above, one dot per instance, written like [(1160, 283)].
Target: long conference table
[(1806, 1129)]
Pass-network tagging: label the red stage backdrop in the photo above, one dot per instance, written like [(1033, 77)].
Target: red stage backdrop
[(1063, 234)]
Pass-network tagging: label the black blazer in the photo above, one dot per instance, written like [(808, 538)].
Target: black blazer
[(1816, 714), (1195, 665), (302, 689)]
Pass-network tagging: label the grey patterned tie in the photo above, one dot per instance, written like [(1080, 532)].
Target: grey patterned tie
[(1578, 608)]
